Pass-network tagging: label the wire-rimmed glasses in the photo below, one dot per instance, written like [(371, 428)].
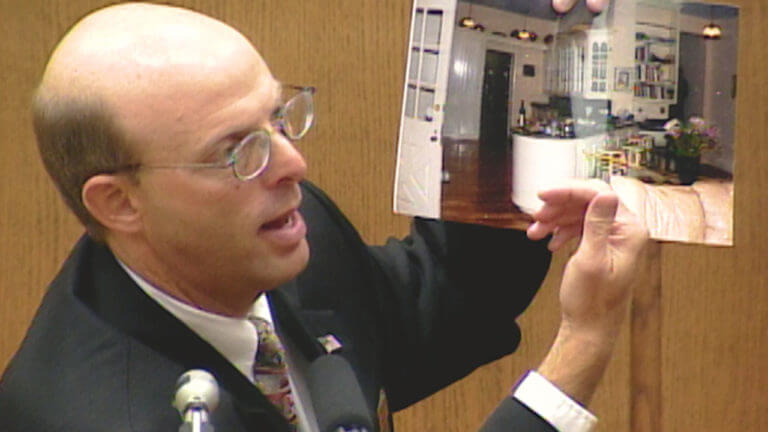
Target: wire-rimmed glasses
[(250, 156)]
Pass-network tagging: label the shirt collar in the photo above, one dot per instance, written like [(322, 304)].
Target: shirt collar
[(234, 338)]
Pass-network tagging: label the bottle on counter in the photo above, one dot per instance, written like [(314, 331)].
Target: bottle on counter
[(569, 130), (521, 115)]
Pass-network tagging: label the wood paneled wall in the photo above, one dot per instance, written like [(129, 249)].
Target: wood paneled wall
[(714, 301)]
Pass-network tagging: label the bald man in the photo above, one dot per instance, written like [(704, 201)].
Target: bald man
[(169, 138)]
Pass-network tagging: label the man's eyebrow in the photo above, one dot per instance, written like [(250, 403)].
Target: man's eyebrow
[(239, 131), (215, 145)]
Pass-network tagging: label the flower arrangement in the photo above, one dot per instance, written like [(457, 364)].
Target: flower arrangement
[(691, 139)]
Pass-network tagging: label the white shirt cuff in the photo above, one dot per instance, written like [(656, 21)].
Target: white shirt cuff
[(554, 406)]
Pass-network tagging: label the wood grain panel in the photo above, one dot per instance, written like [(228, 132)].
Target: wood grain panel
[(463, 406), (715, 301), (715, 308), (645, 351), (35, 230), (352, 51)]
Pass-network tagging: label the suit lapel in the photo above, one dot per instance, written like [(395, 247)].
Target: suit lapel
[(290, 323), (304, 326), (114, 296)]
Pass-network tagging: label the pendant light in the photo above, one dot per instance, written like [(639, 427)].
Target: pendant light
[(470, 23), (467, 22), (712, 30), (525, 34)]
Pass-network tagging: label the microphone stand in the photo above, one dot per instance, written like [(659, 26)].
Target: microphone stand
[(197, 396), (196, 419)]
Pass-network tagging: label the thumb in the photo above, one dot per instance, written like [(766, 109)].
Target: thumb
[(562, 6), (598, 222), (597, 6)]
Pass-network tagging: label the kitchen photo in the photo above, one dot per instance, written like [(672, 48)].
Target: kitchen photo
[(505, 98)]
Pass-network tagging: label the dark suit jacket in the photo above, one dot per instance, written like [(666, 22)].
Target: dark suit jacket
[(412, 315)]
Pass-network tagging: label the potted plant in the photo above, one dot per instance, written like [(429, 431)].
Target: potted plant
[(686, 143)]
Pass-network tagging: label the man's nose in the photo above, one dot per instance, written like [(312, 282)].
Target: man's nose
[(286, 164)]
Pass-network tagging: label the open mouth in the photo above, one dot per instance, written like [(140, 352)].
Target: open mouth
[(283, 221), (286, 230)]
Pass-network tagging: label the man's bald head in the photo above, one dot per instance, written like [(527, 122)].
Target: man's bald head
[(114, 71)]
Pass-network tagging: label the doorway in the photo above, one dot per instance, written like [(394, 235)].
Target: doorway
[(494, 111), (493, 172), (691, 79)]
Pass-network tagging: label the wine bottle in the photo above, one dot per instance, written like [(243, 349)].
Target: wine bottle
[(521, 115)]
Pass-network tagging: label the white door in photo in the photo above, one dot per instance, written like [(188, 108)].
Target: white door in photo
[(419, 154)]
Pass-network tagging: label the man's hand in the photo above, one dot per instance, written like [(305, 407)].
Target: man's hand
[(563, 212), (597, 278), (595, 292)]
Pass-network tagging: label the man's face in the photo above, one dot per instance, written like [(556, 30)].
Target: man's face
[(204, 229)]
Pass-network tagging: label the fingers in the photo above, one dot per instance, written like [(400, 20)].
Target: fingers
[(563, 6), (598, 224), (539, 230), (563, 211), (597, 6), (562, 208), (562, 214), (577, 194), (562, 236), (632, 234)]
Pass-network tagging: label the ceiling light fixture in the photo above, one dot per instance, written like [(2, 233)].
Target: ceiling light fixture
[(470, 23), (467, 22), (525, 34), (712, 30)]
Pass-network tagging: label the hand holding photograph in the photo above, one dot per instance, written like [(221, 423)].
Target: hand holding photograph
[(504, 99)]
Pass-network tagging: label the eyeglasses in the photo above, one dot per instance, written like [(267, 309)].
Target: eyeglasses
[(250, 156)]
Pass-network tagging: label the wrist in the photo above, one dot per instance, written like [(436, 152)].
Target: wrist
[(596, 333), (577, 360)]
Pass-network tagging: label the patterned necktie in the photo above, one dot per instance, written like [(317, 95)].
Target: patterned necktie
[(270, 372)]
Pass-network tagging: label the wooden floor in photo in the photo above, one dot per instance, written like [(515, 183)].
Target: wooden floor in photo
[(477, 185)]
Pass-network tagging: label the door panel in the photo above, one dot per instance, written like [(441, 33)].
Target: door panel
[(494, 115), (419, 159)]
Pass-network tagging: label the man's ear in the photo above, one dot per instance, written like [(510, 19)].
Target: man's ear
[(109, 200)]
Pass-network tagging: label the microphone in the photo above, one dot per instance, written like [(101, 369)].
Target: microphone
[(197, 396), (336, 396)]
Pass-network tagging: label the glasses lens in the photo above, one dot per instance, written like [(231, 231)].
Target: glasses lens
[(252, 155), (298, 115)]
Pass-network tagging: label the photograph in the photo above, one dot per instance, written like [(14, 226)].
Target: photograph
[(623, 79), (505, 99), (384, 216)]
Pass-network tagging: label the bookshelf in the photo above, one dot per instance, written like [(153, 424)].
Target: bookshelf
[(656, 60)]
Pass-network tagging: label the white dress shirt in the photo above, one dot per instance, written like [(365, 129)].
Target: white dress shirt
[(554, 406), (237, 340)]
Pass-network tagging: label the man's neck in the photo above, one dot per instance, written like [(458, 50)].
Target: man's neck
[(203, 295)]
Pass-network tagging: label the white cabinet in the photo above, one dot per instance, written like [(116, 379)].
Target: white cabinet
[(633, 62), (540, 163), (579, 64)]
